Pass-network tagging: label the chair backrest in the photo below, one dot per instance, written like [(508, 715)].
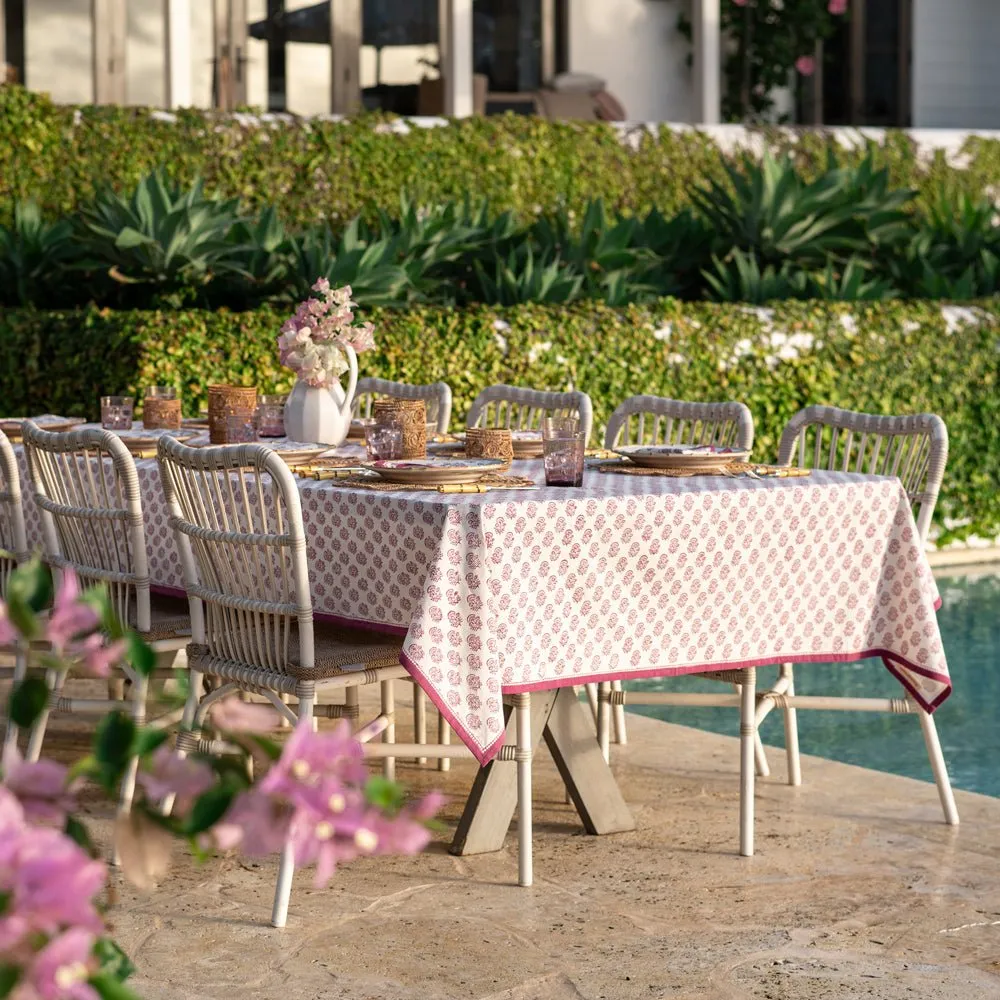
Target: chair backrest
[(13, 537), (914, 448), (657, 420), (525, 409), (87, 494), (437, 396), (237, 518)]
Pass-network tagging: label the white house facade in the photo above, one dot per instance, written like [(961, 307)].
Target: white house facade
[(917, 63)]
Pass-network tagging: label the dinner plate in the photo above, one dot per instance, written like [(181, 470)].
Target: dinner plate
[(435, 471), (11, 426), (690, 458), (527, 444)]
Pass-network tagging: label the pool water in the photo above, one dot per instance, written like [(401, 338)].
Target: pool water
[(968, 722)]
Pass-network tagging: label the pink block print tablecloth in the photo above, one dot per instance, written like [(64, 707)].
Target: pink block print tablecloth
[(627, 577)]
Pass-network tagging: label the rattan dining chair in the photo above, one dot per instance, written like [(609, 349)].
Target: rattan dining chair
[(437, 396), (652, 420), (912, 448), (237, 518), (525, 409), (13, 550), (87, 493)]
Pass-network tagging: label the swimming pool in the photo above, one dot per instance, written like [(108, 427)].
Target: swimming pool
[(968, 722)]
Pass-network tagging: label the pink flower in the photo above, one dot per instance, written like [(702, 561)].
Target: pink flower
[(806, 65), (235, 716), (40, 787), (8, 634), (256, 823), (61, 969), (170, 774), (97, 656), (740, 3), (70, 618), (837, 7), (48, 880), (322, 286)]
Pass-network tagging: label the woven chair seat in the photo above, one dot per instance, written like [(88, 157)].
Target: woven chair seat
[(338, 651), (726, 676), (169, 618)]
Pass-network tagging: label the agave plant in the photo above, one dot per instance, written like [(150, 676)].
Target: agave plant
[(609, 256), (162, 235), (34, 255), (262, 254), (740, 278), (768, 208), (954, 252), (367, 264), (520, 277)]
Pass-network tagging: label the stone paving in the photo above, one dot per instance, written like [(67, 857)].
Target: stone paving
[(858, 889)]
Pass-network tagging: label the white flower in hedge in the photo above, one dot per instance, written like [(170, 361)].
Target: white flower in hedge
[(764, 316), (664, 332), (673, 358), (955, 317), (910, 326), (849, 323), (537, 350), (501, 325), (561, 359)]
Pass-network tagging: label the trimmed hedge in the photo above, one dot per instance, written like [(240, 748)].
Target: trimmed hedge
[(886, 357), (315, 170)]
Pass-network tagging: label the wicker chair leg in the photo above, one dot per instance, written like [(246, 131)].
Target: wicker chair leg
[(748, 730), (389, 736), (13, 730), (604, 720), (36, 737), (286, 867), (939, 768), (522, 709), (618, 714), (791, 732), (140, 689), (195, 691), (760, 757), (444, 738), (116, 688), (419, 718)]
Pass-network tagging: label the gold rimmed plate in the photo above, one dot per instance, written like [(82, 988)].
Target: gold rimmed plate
[(682, 458), (435, 471)]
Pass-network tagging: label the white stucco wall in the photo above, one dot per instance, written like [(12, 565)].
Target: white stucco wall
[(635, 46), (955, 77)]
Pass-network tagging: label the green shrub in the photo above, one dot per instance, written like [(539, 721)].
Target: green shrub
[(880, 357), (326, 171)]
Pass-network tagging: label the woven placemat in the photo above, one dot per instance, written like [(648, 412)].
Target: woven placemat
[(729, 471), (494, 482)]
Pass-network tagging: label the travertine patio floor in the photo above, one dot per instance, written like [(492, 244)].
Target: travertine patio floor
[(858, 889)]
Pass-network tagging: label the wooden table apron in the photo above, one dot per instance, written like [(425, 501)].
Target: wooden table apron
[(626, 577)]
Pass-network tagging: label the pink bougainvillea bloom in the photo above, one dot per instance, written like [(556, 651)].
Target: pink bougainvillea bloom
[(61, 969), (235, 716), (41, 788), (806, 65), (258, 824), (70, 618), (837, 7), (8, 634), (170, 774)]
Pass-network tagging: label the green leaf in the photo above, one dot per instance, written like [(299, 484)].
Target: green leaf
[(114, 739), (77, 832), (9, 976), (109, 988), (209, 808), (28, 701), (384, 794), (139, 654), (147, 740), (115, 964), (31, 585)]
